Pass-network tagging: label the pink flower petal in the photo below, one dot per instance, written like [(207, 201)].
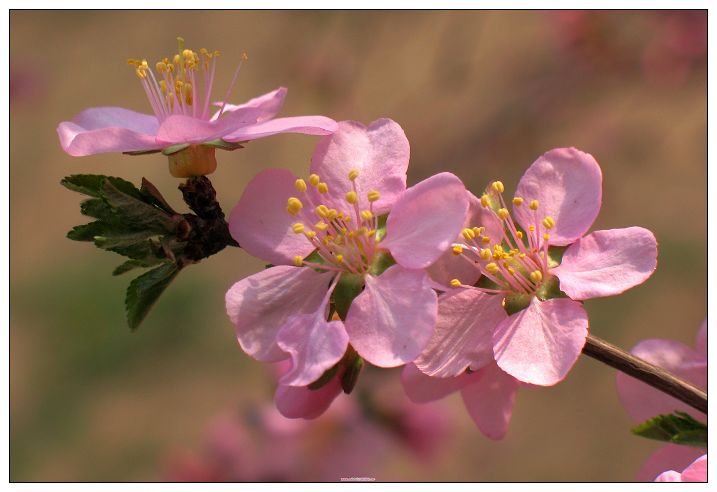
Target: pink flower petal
[(568, 185), (642, 401), (300, 402), (421, 388), (309, 125), (701, 342), (180, 128), (391, 321), (378, 152), (669, 476), (668, 457), (607, 263), (540, 344), (450, 266), (489, 400), (108, 129), (314, 344), (426, 220), (697, 471), (260, 222), (265, 106), (260, 305), (463, 336)]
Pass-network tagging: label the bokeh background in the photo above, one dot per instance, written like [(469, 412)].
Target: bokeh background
[(481, 94)]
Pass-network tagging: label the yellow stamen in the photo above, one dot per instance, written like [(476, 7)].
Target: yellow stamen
[(371, 233), (468, 234), (549, 222), (373, 195), (486, 254), (351, 197), (457, 249), (511, 271), (321, 226), (322, 211), (298, 261), (492, 268), (310, 234), (498, 187), (340, 258), (322, 188), (536, 276), (298, 228), (484, 200), (294, 205), (366, 215), (353, 174), (478, 230), (534, 204), (314, 179), (517, 201), (503, 213), (531, 228), (300, 185), (456, 283), (485, 239), (546, 237), (519, 234)]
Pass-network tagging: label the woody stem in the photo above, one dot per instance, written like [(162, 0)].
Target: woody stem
[(644, 371)]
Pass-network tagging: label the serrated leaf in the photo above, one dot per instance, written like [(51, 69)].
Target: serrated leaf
[(129, 265), (134, 211), (151, 194), (117, 239), (676, 428), (91, 184), (87, 232), (144, 291)]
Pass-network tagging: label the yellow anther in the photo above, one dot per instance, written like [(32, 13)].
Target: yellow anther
[(294, 205), (519, 234), (371, 233), (332, 214), (484, 200), (362, 231), (321, 226), (327, 240), (486, 254), (298, 228), (549, 222), (373, 195), (456, 283), (351, 197), (310, 234), (298, 261), (322, 188), (244, 56), (517, 201), (457, 249), (339, 258), (485, 239), (492, 268), (353, 174), (536, 276), (498, 251), (546, 237), (498, 186), (503, 213), (478, 230), (531, 228), (300, 185), (511, 270), (347, 218), (468, 234), (322, 211), (534, 204), (314, 179), (366, 215)]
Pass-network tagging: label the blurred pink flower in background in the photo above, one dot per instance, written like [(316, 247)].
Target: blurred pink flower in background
[(556, 203), (695, 472), (358, 174), (643, 402)]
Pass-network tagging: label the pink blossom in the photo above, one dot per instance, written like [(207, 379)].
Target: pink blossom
[(643, 402), (695, 472), (357, 175), (488, 394), (518, 314), (180, 102)]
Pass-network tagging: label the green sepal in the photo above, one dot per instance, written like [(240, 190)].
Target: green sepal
[(325, 377), (142, 152), (381, 227), (224, 145), (144, 291), (348, 287), (349, 378), (380, 263), (676, 428), (173, 149)]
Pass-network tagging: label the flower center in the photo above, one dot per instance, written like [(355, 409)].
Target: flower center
[(516, 262), (346, 240), (176, 87)]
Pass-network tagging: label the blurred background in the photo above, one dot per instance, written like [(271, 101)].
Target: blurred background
[(481, 94)]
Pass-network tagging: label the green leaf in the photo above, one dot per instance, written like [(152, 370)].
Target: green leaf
[(129, 265), (91, 184), (87, 232), (677, 428), (115, 239), (135, 212), (144, 291)]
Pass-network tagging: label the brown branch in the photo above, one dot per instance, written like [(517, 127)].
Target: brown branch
[(647, 373)]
